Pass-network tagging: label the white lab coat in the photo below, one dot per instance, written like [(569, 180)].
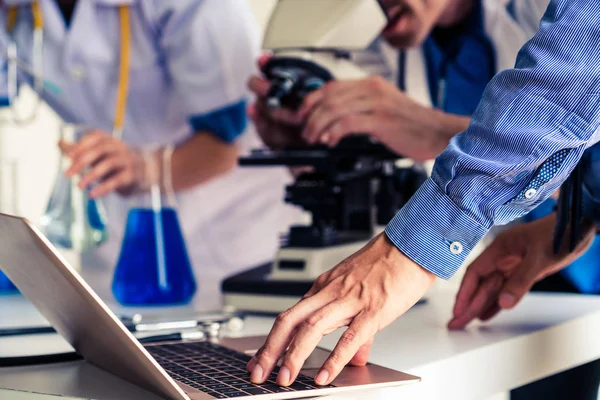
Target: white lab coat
[(189, 57)]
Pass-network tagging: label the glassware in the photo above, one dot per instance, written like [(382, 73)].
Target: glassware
[(8, 205), (153, 267), (73, 220)]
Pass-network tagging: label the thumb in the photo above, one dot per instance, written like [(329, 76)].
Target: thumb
[(264, 59), (64, 146), (519, 283)]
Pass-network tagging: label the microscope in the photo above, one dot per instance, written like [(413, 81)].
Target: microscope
[(350, 190)]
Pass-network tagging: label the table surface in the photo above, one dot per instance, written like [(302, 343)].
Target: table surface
[(543, 335)]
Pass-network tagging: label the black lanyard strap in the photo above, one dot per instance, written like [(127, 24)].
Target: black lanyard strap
[(569, 209)]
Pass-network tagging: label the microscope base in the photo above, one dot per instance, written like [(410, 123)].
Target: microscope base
[(254, 291)]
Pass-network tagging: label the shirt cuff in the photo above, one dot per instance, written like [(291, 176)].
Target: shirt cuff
[(432, 231), (227, 123)]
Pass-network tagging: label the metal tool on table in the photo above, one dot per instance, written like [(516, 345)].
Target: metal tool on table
[(231, 321), (147, 329), (351, 189)]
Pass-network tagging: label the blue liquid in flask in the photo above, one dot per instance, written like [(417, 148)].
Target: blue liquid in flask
[(6, 286), (154, 266)]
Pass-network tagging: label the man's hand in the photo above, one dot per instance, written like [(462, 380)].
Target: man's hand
[(517, 259), (105, 161), (279, 127), (376, 107), (366, 292)]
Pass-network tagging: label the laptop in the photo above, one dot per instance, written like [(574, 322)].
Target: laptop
[(189, 370)]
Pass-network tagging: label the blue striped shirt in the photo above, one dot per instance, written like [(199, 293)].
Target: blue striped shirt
[(531, 128)]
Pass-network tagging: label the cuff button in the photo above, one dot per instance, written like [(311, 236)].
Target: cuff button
[(530, 193), (456, 248)]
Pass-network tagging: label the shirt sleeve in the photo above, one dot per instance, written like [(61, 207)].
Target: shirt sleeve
[(210, 49), (530, 130)]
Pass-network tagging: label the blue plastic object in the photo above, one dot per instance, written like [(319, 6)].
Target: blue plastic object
[(6, 286), (154, 266)]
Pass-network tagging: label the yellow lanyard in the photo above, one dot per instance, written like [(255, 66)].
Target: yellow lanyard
[(125, 57)]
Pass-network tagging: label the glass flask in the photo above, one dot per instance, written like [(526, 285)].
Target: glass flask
[(8, 205), (72, 219), (153, 267)]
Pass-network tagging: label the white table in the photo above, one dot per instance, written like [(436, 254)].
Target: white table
[(544, 335)]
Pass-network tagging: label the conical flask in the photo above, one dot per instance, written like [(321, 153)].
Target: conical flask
[(153, 267), (8, 205), (73, 220)]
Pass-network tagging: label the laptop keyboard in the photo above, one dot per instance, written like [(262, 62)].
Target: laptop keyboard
[(219, 371)]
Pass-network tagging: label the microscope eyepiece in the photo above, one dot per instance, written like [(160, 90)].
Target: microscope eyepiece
[(292, 80)]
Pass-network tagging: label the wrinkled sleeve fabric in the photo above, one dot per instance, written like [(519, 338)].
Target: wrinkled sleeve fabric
[(209, 48), (530, 130)]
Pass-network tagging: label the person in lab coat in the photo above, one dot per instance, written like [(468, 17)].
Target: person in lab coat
[(416, 100), (189, 63)]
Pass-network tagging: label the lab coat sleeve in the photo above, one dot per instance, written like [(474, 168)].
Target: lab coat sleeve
[(3, 67), (528, 14), (3, 83), (210, 49)]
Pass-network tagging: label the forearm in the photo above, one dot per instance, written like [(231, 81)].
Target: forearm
[(424, 134), (201, 159), (441, 127)]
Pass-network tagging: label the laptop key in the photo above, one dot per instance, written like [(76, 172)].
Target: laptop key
[(257, 391), (218, 385), (230, 378), (227, 390), (276, 388), (237, 394), (301, 386), (244, 387), (217, 395), (236, 382)]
